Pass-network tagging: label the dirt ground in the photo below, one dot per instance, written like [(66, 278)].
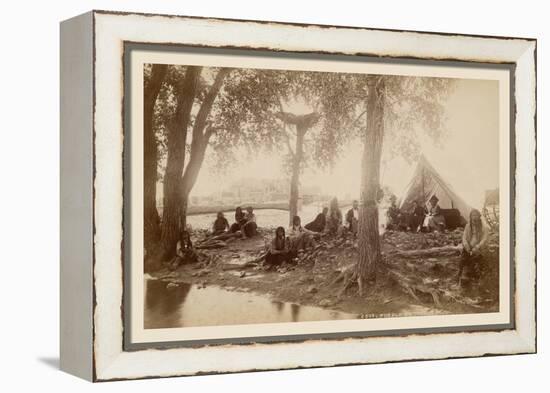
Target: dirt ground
[(405, 285)]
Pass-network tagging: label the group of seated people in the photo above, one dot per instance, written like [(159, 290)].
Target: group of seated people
[(285, 248), (418, 218), (285, 245), (330, 221), (244, 222)]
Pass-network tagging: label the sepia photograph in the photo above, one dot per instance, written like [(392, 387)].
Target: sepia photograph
[(245, 195), (281, 196)]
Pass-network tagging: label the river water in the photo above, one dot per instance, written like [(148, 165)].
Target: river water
[(186, 305), (269, 218)]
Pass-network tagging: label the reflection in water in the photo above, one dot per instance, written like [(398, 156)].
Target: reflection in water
[(294, 312), (163, 306), (278, 306), (186, 305)]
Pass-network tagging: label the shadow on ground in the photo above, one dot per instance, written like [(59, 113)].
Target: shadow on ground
[(52, 362)]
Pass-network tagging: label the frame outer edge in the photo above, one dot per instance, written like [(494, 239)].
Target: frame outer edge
[(526, 334), (76, 204), (527, 325)]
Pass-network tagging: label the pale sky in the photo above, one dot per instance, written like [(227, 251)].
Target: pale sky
[(468, 160)]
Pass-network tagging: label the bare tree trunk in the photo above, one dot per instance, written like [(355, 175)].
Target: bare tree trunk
[(368, 231), (190, 177), (151, 220), (172, 207), (183, 211), (295, 178), (302, 123), (177, 184), (177, 135), (201, 136)]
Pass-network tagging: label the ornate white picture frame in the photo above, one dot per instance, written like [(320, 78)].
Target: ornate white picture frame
[(96, 249)]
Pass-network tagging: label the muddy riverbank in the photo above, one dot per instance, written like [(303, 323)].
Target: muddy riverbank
[(404, 287)]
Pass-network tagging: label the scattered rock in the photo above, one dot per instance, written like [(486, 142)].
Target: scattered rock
[(202, 284), (172, 285), (326, 303)]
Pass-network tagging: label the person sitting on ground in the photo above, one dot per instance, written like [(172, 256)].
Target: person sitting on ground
[(393, 215), (352, 218), (334, 219), (318, 225), (417, 216), (249, 228), (185, 242), (240, 220), (185, 253), (300, 238), (434, 220), (220, 225), (475, 235), (279, 251)]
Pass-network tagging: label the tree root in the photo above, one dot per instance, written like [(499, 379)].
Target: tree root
[(239, 267), (249, 264), (433, 252), (211, 244), (349, 281), (435, 294)]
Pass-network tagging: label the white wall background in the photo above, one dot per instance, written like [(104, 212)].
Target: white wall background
[(29, 196)]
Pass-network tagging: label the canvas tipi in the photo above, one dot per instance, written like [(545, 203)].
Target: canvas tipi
[(425, 183)]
